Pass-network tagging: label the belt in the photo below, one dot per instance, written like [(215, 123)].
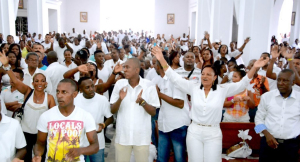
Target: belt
[(286, 140), (207, 125)]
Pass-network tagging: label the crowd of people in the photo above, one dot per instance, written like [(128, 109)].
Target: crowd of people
[(170, 92)]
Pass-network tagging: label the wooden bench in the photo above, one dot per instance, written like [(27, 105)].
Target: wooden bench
[(230, 138)]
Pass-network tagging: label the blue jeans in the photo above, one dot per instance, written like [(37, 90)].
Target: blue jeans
[(178, 139), (153, 119), (98, 157)]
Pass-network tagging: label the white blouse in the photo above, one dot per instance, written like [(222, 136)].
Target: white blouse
[(207, 110)]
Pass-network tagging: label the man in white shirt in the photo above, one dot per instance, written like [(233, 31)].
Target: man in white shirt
[(12, 140), (110, 64), (65, 127), (278, 121), (152, 73), (120, 37), (296, 44), (32, 59), (55, 72), (85, 35), (133, 131), (173, 119), (62, 46), (99, 107), (12, 98), (76, 47), (39, 39), (73, 34), (47, 43)]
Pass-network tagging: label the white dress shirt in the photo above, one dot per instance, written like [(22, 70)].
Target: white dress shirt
[(133, 122), (280, 116), (28, 79), (110, 64), (170, 117), (206, 110)]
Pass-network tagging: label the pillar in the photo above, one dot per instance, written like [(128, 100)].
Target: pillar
[(36, 10), (254, 21), (8, 12)]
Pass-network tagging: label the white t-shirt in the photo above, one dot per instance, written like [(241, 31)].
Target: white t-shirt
[(151, 74), (8, 96), (71, 66), (170, 117), (46, 46), (133, 122), (98, 107), (184, 39), (65, 132), (75, 49), (11, 138), (104, 74), (55, 73), (120, 36), (60, 53)]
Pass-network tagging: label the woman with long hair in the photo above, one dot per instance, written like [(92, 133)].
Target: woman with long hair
[(174, 60), (39, 102), (220, 69), (206, 58), (17, 50), (204, 137)]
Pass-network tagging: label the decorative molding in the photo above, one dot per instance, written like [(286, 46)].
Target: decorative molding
[(54, 2)]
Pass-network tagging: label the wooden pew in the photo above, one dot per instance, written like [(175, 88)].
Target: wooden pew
[(230, 138)]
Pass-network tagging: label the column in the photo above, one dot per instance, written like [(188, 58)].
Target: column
[(35, 11), (203, 19), (7, 17), (255, 21), (295, 29)]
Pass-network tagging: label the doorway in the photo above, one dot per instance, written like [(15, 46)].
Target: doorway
[(52, 18)]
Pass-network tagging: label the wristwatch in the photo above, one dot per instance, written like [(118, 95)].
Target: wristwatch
[(232, 100), (6, 68)]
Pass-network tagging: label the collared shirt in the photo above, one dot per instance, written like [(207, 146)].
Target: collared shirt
[(110, 64), (71, 66), (11, 96), (134, 123), (151, 74), (11, 138), (207, 110), (28, 79), (170, 117), (280, 116)]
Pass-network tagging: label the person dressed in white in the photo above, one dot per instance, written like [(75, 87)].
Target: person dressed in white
[(204, 137), (173, 119), (278, 121), (68, 60), (99, 107), (60, 49), (47, 43), (32, 60), (65, 127), (135, 99), (55, 72), (12, 98), (12, 140), (38, 102)]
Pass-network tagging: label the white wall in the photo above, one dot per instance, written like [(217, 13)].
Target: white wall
[(180, 9), (52, 16), (23, 12), (71, 15)]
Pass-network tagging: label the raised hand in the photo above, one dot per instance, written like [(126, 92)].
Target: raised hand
[(139, 97), (157, 52), (83, 68), (261, 62), (206, 36), (288, 54), (123, 93), (3, 59), (247, 40), (118, 68), (274, 52)]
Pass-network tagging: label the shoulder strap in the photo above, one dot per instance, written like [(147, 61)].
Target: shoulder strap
[(191, 73), (24, 103)]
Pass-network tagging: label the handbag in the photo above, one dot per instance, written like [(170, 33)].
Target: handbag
[(19, 112)]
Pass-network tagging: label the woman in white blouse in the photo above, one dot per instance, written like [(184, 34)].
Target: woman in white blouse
[(204, 137)]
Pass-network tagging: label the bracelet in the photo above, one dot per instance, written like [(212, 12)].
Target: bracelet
[(114, 73), (103, 124), (290, 59), (166, 66), (143, 103)]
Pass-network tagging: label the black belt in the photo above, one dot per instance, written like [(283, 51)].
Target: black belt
[(287, 140)]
